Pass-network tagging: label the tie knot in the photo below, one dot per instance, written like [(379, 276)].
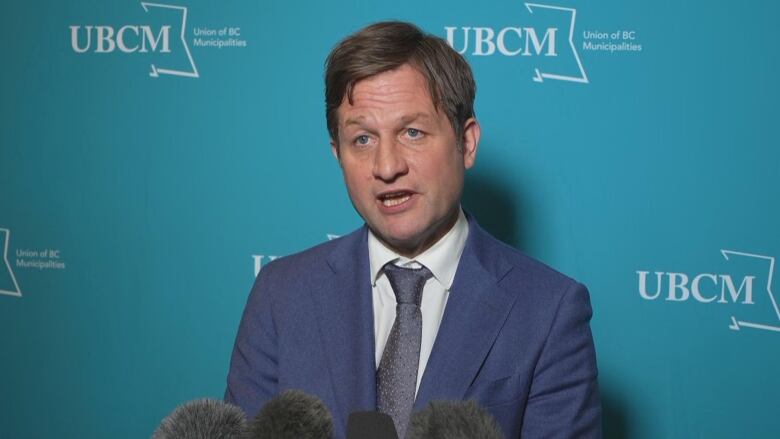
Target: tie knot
[(407, 283)]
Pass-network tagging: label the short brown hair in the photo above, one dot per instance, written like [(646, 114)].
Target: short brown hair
[(385, 46)]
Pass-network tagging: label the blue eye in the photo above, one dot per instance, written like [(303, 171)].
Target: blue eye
[(413, 132), (362, 140)]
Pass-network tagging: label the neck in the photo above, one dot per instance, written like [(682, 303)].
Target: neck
[(415, 249)]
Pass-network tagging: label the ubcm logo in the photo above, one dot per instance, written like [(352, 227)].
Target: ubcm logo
[(133, 38), (719, 288), (552, 24), (8, 284)]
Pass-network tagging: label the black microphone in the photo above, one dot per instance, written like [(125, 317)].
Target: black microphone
[(370, 425), (203, 419), (292, 415), (453, 420)]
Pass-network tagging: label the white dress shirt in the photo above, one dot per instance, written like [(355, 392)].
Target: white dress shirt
[(442, 260)]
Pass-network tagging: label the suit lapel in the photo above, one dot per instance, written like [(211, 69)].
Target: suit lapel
[(475, 312), (346, 325)]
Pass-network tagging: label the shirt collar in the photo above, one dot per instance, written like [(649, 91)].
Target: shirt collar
[(441, 259)]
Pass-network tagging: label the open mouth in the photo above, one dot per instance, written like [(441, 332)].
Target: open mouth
[(391, 199)]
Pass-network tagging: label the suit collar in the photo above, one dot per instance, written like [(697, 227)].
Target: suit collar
[(476, 311), (349, 249), (347, 325)]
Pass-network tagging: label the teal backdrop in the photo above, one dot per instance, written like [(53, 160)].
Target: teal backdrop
[(154, 156)]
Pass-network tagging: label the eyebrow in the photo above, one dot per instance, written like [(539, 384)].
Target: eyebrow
[(405, 119), (414, 117), (359, 120)]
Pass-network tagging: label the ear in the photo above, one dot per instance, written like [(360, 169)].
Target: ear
[(334, 148), (471, 134)]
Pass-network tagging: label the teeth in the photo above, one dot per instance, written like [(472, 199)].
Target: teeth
[(389, 202)]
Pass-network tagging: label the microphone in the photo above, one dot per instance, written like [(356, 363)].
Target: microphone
[(292, 415), (203, 419), (370, 425), (453, 420)]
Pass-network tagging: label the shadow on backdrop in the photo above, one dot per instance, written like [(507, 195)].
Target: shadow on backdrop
[(495, 206), (613, 415)]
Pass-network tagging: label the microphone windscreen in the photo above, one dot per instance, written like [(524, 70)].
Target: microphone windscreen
[(373, 425), (453, 420), (203, 419), (292, 415)]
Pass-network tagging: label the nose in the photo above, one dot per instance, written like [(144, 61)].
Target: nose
[(389, 161)]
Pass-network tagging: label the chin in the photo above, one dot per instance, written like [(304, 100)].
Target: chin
[(400, 239)]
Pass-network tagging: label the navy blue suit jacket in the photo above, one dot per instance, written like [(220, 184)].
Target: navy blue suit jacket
[(514, 337)]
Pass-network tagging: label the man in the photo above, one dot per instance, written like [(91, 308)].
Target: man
[(420, 304)]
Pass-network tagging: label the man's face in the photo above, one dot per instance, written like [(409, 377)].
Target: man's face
[(401, 164)]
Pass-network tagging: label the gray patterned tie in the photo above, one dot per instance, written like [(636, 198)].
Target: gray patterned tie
[(396, 378)]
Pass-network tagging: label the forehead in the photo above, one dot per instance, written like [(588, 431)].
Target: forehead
[(397, 92)]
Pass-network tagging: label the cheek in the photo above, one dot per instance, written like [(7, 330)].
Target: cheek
[(357, 185), (449, 182)]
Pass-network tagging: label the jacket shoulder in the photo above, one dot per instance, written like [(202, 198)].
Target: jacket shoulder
[(312, 262), (517, 271)]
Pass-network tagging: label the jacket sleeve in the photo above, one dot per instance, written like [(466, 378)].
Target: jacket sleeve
[(253, 377), (564, 397)]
